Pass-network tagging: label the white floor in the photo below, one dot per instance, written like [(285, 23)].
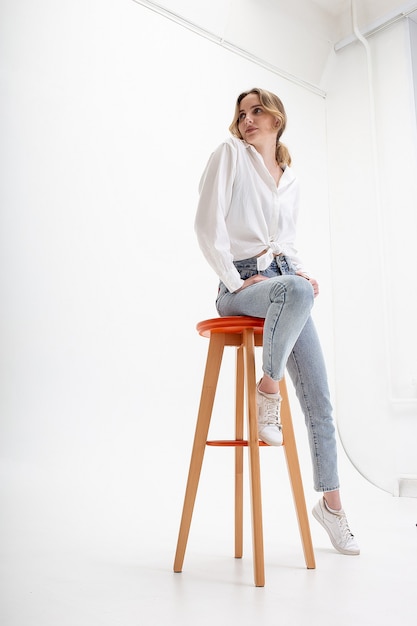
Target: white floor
[(72, 555)]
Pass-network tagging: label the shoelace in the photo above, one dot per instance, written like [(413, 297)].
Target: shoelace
[(344, 527), (272, 412)]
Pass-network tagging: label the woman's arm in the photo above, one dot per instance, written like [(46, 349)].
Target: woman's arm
[(216, 188)]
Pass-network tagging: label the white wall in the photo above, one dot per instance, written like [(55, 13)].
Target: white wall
[(294, 37), (109, 114), (412, 24), (374, 226)]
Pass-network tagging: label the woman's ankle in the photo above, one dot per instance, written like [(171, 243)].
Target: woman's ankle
[(332, 500), (267, 385)]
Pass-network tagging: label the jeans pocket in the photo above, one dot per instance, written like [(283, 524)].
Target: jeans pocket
[(246, 273), (284, 265), (246, 268)]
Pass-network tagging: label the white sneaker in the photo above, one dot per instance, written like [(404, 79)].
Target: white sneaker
[(337, 528), (269, 421)]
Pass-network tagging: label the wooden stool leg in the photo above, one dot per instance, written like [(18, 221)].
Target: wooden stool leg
[(208, 392), (254, 466), (293, 466), (240, 401)]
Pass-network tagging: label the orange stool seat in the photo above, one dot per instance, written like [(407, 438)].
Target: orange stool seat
[(232, 324), (244, 334)]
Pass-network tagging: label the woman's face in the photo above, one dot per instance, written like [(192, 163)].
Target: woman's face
[(256, 125)]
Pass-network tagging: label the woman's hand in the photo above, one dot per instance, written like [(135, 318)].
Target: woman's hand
[(256, 278), (312, 282)]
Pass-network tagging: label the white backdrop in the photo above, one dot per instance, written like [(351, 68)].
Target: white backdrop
[(109, 115)]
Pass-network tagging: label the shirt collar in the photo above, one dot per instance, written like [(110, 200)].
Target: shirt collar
[(287, 176)]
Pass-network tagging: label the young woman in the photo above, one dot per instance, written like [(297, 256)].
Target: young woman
[(246, 227)]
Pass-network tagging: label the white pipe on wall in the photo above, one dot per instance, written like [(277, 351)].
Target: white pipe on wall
[(377, 190), (379, 25)]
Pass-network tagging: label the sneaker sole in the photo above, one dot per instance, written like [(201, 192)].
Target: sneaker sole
[(271, 443)]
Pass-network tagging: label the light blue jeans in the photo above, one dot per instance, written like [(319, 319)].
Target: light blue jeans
[(291, 341)]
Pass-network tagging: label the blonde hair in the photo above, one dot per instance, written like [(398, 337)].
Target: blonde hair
[(273, 105)]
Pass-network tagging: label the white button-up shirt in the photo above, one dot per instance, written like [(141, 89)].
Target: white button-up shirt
[(242, 212)]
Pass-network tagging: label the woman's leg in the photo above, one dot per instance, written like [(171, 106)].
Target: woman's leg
[(280, 303), (285, 303), (307, 370)]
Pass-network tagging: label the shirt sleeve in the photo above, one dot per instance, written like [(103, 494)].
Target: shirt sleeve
[(216, 186)]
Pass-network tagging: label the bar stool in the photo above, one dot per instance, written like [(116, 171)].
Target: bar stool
[(244, 334)]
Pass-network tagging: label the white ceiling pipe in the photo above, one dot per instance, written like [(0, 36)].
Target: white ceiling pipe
[(378, 199), (398, 14)]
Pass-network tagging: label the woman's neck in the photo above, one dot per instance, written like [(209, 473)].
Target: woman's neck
[(269, 157)]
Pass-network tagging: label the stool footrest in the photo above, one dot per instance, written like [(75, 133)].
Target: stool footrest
[(235, 443)]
